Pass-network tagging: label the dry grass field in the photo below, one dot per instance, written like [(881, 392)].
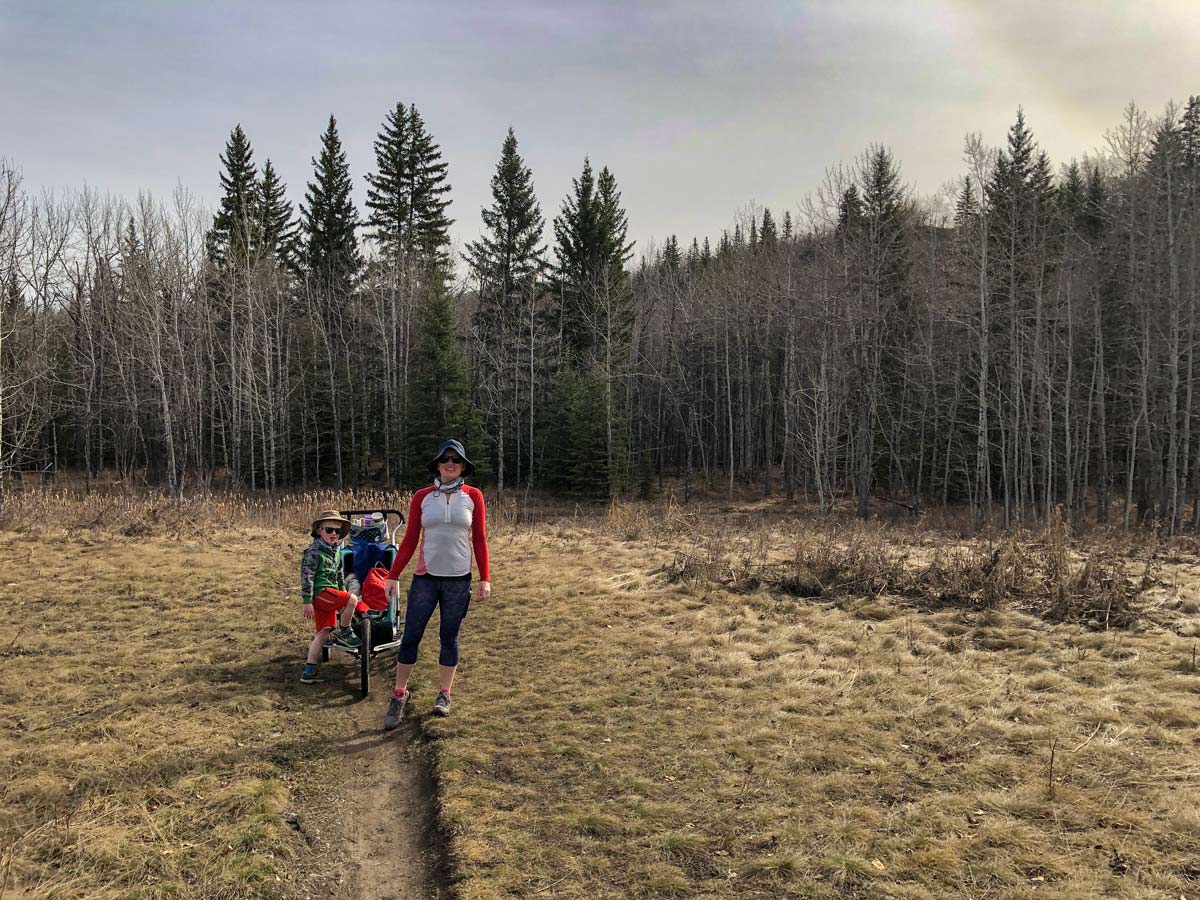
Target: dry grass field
[(655, 703)]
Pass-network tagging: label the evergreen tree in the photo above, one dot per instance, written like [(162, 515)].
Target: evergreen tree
[(278, 229), (1020, 199), (874, 224), (787, 225), (407, 193), (431, 226), (576, 433), (769, 236), (592, 252), (614, 315), (14, 299), (1021, 188), (1093, 220), (440, 404), (389, 192), (670, 258), (579, 263), (1071, 192), (966, 210), (968, 222), (850, 211), (508, 261), (1190, 134), (886, 212), (613, 225), (509, 256), (329, 218), (232, 236), (132, 252)]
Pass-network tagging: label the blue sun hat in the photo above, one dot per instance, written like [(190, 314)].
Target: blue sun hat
[(455, 447)]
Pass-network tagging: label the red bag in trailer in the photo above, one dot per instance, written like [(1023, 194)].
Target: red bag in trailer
[(374, 594)]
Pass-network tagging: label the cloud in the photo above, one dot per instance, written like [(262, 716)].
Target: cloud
[(698, 107)]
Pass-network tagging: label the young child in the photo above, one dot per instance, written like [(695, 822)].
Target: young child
[(323, 590)]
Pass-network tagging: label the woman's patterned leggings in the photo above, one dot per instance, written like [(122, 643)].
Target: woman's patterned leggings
[(453, 594)]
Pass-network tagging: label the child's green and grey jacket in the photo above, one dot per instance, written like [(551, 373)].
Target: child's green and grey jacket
[(320, 568)]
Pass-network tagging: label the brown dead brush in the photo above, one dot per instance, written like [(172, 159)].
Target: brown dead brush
[(51, 511), (1045, 574)]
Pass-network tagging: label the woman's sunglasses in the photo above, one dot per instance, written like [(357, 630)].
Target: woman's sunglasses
[(332, 530), (443, 460)]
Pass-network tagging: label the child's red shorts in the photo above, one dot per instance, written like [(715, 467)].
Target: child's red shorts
[(327, 605)]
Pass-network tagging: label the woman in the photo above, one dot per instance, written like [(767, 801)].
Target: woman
[(449, 519)]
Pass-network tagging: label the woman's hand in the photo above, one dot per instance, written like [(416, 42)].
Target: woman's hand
[(391, 588), (484, 591), (308, 611)]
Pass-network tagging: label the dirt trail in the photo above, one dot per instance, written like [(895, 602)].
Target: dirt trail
[(393, 847)]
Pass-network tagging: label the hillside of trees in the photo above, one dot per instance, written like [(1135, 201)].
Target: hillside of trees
[(1031, 346)]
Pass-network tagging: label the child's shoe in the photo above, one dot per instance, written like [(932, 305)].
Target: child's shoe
[(310, 675), (345, 637)]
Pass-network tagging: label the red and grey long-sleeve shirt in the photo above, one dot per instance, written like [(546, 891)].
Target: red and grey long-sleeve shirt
[(450, 525)]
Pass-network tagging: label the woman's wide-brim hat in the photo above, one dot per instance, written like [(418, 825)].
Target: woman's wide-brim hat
[(457, 447), (331, 515)]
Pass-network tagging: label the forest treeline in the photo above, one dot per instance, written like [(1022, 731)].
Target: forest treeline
[(1029, 344)]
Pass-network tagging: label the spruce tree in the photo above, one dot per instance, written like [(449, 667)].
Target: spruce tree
[(1190, 133), (966, 217), (850, 212), (329, 218), (769, 235), (439, 404), (509, 256), (1094, 220), (14, 299), (1020, 192), (1071, 194), (586, 456), (579, 263), (886, 211), (576, 434), (612, 224), (670, 259), (389, 192), (232, 236), (592, 251), (278, 229), (614, 315), (431, 226), (407, 193), (508, 261)]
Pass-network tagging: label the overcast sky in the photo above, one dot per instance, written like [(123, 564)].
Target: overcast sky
[(698, 108)]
